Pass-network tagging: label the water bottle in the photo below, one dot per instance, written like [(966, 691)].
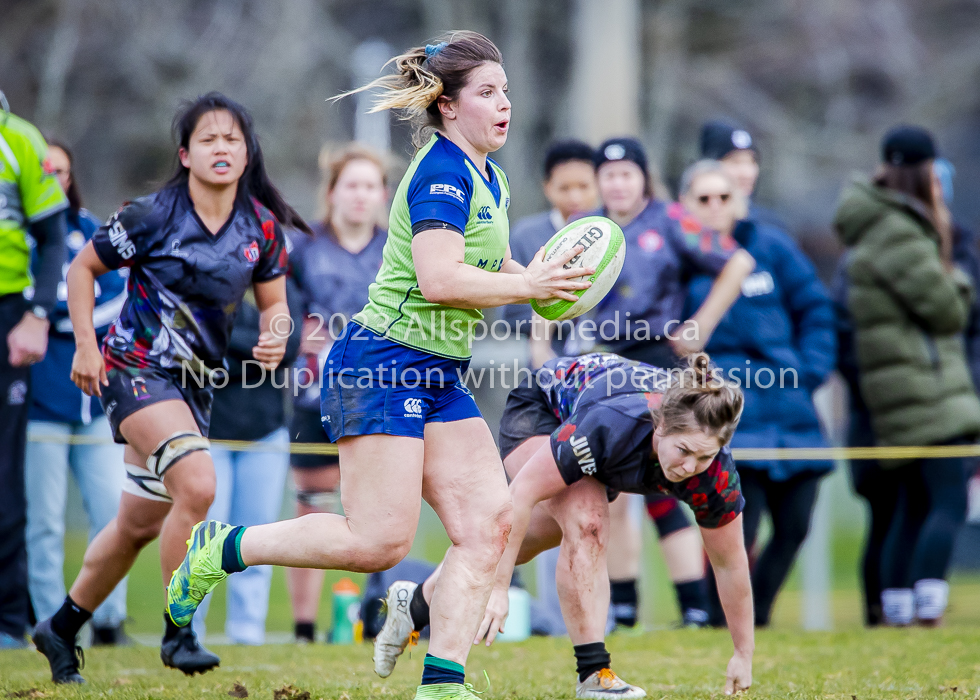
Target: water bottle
[(347, 625), (517, 627)]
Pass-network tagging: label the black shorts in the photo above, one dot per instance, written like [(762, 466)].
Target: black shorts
[(666, 512), (133, 388), (526, 414), (307, 427)]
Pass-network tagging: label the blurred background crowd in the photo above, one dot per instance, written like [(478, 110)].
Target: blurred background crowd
[(700, 126)]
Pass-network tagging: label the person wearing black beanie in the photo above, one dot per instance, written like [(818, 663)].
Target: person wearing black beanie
[(738, 152), (907, 302)]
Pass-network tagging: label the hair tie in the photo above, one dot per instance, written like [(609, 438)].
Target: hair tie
[(433, 49)]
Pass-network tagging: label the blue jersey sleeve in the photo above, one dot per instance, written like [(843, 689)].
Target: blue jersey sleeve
[(439, 193)]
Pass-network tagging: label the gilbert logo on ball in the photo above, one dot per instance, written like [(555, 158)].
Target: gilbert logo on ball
[(605, 250)]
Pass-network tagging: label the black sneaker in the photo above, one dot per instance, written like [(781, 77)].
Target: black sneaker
[(64, 657), (185, 653), (111, 637)]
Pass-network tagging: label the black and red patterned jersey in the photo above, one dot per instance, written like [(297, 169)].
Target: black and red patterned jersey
[(185, 283), (605, 403)]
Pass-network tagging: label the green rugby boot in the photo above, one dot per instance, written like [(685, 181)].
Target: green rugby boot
[(200, 571), (447, 691)]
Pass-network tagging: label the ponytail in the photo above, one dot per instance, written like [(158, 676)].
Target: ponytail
[(699, 398), (423, 74)]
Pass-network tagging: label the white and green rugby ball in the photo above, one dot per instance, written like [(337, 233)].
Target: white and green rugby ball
[(605, 250)]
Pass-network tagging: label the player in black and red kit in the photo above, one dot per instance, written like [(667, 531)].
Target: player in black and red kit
[(581, 431), (193, 250)]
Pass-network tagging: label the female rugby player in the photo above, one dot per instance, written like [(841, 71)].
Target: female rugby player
[(193, 249), (631, 427), (392, 400)]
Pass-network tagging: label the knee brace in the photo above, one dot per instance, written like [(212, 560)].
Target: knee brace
[(325, 501), (174, 448)]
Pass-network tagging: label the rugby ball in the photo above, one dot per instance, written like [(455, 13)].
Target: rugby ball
[(605, 250)]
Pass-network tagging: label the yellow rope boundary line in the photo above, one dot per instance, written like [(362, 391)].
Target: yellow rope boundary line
[(748, 454)]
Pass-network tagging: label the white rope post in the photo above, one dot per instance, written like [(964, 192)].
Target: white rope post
[(366, 62)]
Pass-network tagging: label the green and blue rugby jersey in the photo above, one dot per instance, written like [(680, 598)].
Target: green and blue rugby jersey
[(442, 188)]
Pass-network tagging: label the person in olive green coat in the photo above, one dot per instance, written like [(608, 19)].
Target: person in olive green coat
[(909, 306)]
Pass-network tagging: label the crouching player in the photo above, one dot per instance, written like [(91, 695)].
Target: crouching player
[(585, 429)]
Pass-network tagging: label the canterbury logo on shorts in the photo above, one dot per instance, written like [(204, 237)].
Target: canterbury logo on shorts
[(413, 408)]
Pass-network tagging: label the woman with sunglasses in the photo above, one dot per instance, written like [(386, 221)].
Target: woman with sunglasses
[(778, 340)]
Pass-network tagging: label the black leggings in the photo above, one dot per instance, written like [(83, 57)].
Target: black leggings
[(790, 505), (880, 489), (930, 506)]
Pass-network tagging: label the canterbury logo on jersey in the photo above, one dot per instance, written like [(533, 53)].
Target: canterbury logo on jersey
[(413, 408), (120, 239), (448, 191), (583, 453), (484, 214)]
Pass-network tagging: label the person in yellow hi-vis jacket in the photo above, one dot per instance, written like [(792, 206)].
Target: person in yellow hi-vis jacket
[(31, 204)]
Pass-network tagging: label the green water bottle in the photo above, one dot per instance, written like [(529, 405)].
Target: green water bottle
[(347, 625)]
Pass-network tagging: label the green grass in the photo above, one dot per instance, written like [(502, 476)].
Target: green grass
[(896, 664)]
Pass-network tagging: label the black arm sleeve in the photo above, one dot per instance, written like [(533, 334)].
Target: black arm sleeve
[(427, 224), (49, 233)]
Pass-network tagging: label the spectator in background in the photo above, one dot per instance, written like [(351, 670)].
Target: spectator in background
[(663, 249), (60, 411), (333, 269), (873, 482), (909, 304), (249, 483), (735, 148), (780, 333), (34, 203), (569, 187)]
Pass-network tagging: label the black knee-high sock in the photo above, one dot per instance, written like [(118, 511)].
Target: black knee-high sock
[(624, 600), (69, 619), (419, 610), (693, 599), (590, 658)]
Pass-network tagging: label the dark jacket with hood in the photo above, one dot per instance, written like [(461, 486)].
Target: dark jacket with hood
[(909, 314)]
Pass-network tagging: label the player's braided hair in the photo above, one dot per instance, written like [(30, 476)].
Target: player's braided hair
[(423, 74), (699, 398)]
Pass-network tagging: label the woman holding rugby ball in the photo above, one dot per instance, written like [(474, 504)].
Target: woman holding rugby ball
[(587, 428), (405, 425)]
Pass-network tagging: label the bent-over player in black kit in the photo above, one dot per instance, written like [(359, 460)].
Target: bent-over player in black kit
[(193, 250), (579, 432)]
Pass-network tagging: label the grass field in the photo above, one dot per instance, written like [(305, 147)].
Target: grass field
[(898, 664), (848, 663)]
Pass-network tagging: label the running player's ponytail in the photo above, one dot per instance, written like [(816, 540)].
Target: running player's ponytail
[(254, 182), (699, 398), (423, 74)]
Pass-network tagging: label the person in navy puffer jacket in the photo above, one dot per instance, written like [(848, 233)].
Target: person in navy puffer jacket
[(779, 340), (59, 411)]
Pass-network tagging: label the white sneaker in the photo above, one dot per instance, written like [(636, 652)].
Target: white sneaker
[(399, 629), (606, 684)]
